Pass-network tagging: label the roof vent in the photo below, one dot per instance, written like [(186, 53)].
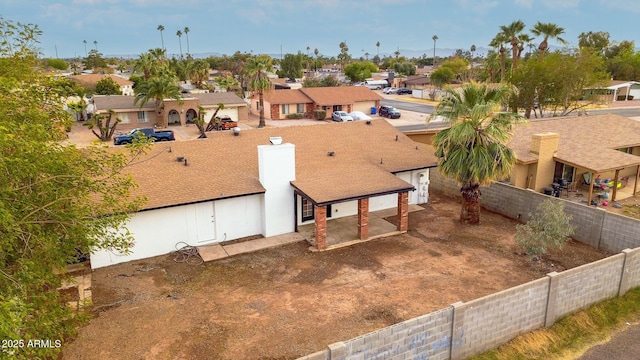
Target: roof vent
[(275, 140), (331, 153), (368, 122), (180, 158)]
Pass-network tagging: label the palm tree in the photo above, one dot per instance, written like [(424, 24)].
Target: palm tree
[(316, 52), (547, 30), (366, 56), (95, 43), (498, 43), (473, 149), (145, 64), (85, 48), (179, 34), (473, 49), (513, 32), (157, 88), (257, 68), (186, 33), (435, 38), (161, 29), (378, 46)]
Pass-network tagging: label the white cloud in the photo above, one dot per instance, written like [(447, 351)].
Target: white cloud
[(479, 6), (525, 3)]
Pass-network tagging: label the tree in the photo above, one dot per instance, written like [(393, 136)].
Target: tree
[(473, 50), (257, 68), (105, 124), (157, 88), (79, 108), (344, 56), (55, 200), (547, 30), (597, 41), (434, 38), (57, 64), (498, 43), (107, 86), (378, 46), (95, 43), (227, 83), (161, 29), (548, 228), (440, 77), (179, 35), (291, 66), (359, 70), (512, 33), (473, 149), (186, 33), (85, 48), (198, 72), (94, 61)]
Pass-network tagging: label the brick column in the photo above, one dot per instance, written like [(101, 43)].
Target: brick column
[(321, 227), (403, 211), (363, 218)]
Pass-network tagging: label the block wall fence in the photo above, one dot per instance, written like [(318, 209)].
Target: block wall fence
[(465, 329)]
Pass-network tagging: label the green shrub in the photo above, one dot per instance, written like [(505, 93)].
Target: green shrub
[(295, 116), (319, 114), (549, 227)]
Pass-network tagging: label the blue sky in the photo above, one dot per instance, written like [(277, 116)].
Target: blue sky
[(129, 27)]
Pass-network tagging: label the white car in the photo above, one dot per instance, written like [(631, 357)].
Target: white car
[(359, 115), (390, 90), (341, 116)]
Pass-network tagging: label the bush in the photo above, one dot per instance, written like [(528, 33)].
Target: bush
[(548, 228), (295, 116), (319, 114)]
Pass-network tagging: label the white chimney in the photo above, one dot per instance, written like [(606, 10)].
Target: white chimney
[(277, 167)]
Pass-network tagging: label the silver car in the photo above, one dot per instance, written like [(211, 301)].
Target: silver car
[(341, 116)]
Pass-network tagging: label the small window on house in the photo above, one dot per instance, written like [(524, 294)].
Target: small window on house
[(300, 108), (626, 150), (285, 109), (124, 117), (307, 210), (142, 117)]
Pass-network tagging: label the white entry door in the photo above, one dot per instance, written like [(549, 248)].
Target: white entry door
[(205, 222)]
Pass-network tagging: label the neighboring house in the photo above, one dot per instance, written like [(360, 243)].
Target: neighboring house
[(230, 186), (616, 91), (175, 112), (605, 146), (279, 103), (90, 81)]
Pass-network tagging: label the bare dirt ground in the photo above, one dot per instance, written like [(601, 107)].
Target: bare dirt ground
[(287, 302)]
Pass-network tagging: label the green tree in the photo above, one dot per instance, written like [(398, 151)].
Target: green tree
[(161, 29), (344, 56), (473, 150), (179, 35), (57, 64), (257, 68), (105, 124), (198, 72), (511, 34), (597, 41), (291, 66), (547, 31), (157, 89), (79, 108), (439, 78), (94, 61), (186, 33), (498, 43), (107, 86), (405, 68), (18, 48), (55, 200), (359, 70), (548, 228)]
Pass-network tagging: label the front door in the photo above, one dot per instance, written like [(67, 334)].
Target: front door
[(205, 222)]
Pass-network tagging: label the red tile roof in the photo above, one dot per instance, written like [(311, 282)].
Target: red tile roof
[(324, 96)]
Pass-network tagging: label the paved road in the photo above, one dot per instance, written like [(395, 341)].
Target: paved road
[(407, 105), (623, 346)]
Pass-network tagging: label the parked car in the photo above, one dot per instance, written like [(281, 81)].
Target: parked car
[(390, 90), (341, 116), (225, 123), (162, 135), (404, 91), (359, 115), (389, 111)]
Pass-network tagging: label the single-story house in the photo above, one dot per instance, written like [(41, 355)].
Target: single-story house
[(90, 81), (175, 112), (617, 90), (230, 186), (280, 103), (577, 148)]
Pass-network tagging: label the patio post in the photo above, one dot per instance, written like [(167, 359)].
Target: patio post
[(590, 197), (363, 218), (635, 183), (321, 227), (615, 185)]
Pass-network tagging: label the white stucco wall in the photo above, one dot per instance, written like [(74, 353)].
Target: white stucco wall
[(277, 168), (364, 106), (156, 232), (231, 112)]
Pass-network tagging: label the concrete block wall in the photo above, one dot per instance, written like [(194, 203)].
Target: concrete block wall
[(580, 287), (619, 233), (587, 221), (490, 321), (631, 273), (424, 337)]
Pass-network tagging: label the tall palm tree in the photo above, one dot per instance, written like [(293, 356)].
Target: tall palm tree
[(513, 32), (498, 43), (186, 33), (547, 30), (95, 43), (161, 29), (378, 46), (85, 48), (473, 149), (145, 64), (316, 52), (257, 68), (157, 88), (435, 38), (179, 34), (473, 50)]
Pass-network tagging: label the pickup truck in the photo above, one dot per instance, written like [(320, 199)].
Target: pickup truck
[(162, 135)]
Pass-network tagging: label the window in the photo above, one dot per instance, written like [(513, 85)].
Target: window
[(626, 150), (124, 117), (307, 210), (142, 117), (300, 108), (285, 109), (564, 171)]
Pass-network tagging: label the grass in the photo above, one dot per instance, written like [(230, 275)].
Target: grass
[(572, 335)]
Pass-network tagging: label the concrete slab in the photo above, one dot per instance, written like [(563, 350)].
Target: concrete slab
[(264, 243), (212, 252)]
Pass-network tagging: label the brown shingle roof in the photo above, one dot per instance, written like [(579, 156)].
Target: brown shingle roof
[(92, 79), (588, 141), (118, 102), (227, 98), (278, 97), (324, 96), (224, 165)]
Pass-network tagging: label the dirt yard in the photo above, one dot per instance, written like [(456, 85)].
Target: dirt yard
[(287, 302)]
